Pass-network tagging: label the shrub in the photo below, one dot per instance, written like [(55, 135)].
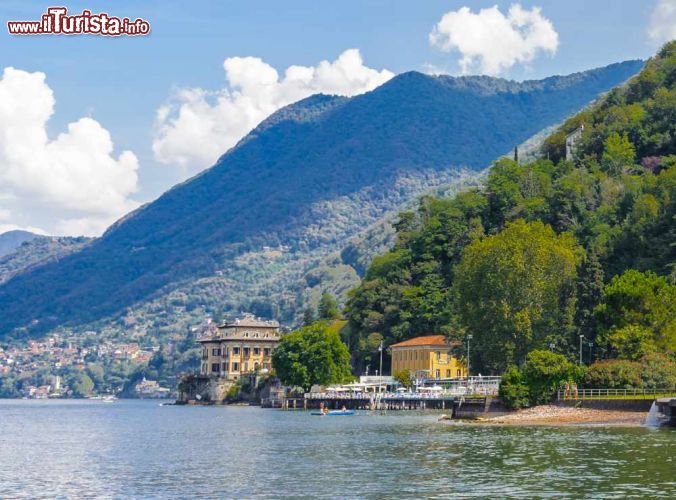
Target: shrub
[(403, 377), (614, 374), (544, 372), (233, 393), (513, 390), (658, 371)]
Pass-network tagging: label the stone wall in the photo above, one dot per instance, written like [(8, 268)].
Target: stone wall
[(488, 407), (203, 389)]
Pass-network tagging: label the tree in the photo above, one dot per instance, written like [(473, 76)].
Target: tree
[(328, 307), (81, 385), (513, 390), (614, 374), (589, 293), (403, 377), (308, 316), (312, 355), (638, 314), (658, 371), (544, 372), (618, 153), (631, 342), (515, 293)]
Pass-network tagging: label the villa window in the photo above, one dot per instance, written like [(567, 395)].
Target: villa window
[(246, 352), (438, 374), (266, 351), (235, 350), (459, 373), (215, 352), (257, 351), (215, 367), (235, 367), (448, 373)]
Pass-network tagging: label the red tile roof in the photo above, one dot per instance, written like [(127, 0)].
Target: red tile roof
[(428, 340)]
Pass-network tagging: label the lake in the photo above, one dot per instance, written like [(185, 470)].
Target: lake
[(140, 449)]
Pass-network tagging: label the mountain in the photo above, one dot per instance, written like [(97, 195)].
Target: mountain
[(245, 233), (36, 251), (11, 240)]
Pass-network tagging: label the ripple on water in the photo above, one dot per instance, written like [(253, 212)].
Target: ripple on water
[(136, 448)]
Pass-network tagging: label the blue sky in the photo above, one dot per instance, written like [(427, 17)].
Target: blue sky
[(122, 82)]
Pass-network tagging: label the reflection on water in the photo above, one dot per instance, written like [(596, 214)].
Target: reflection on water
[(139, 449)]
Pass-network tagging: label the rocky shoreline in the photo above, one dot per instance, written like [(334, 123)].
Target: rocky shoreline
[(550, 415)]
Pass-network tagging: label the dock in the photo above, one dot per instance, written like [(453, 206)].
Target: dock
[(384, 401)]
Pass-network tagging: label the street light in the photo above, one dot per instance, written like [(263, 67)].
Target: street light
[(581, 338), (469, 337), (591, 347)]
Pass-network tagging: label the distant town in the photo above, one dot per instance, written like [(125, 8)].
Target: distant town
[(56, 354)]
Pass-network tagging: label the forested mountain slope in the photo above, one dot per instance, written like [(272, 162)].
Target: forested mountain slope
[(244, 233), (546, 251)]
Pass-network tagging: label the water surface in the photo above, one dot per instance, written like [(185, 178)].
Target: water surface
[(141, 449)]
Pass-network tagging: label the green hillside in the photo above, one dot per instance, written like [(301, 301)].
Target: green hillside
[(244, 234), (547, 250)]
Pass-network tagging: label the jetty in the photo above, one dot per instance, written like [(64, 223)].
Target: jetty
[(667, 407)]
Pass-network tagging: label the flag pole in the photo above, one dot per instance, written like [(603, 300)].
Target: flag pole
[(380, 388)]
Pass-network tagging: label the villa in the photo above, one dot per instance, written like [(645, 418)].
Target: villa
[(241, 347), (427, 357)]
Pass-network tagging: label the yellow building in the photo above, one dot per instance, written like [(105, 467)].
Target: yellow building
[(240, 347), (427, 357)]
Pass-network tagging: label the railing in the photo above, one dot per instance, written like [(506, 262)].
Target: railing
[(582, 394), (366, 396)]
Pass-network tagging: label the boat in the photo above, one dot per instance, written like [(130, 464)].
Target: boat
[(109, 399), (332, 413)]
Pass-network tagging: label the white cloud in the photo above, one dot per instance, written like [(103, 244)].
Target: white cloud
[(200, 125), (490, 42), (74, 175), (662, 26)]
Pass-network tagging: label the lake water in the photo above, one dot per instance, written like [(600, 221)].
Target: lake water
[(141, 449)]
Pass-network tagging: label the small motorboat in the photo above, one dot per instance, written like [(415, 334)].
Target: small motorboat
[(332, 413)]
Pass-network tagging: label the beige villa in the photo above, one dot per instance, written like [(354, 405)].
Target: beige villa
[(241, 347)]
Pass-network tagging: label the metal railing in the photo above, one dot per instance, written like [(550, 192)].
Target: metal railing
[(582, 394)]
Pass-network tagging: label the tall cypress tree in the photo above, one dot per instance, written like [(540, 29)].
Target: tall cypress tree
[(589, 290)]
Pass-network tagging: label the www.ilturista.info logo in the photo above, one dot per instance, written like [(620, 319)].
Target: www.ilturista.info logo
[(56, 21)]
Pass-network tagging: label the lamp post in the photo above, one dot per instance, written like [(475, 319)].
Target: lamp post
[(581, 338), (380, 384), (469, 337)]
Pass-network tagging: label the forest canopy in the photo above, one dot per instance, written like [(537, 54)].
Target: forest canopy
[(547, 253)]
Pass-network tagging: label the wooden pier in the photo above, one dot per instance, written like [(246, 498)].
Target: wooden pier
[(379, 402)]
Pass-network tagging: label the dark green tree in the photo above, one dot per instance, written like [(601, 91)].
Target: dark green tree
[(312, 355), (513, 390), (328, 307), (589, 293), (638, 313), (515, 292), (308, 316), (544, 372)]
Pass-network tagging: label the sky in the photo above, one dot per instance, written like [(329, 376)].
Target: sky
[(91, 127)]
